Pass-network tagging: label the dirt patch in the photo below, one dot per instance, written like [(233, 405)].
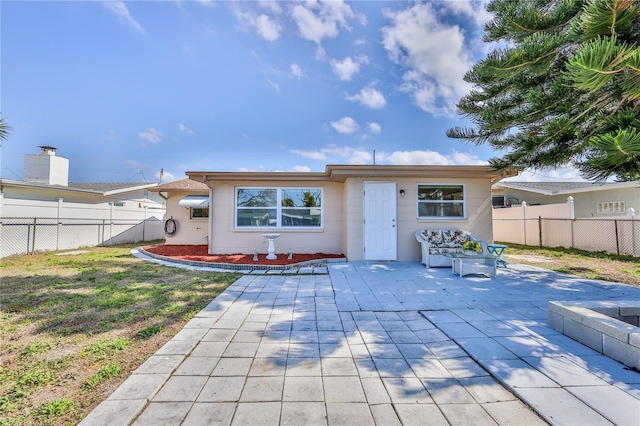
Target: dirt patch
[(199, 253)]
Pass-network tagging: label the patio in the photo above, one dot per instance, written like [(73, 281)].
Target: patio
[(382, 343)]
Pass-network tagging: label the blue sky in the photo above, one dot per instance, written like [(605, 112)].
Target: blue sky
[(125, 89)]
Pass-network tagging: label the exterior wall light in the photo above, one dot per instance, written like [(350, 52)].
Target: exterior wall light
[(402, 192)]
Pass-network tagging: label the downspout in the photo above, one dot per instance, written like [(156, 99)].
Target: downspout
[(210, 220)]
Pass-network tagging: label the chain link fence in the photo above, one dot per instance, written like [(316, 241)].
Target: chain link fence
[(616, 236), (20, 235)]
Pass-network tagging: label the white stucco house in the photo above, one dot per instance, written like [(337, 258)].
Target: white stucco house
[(590, 199), (79, 214), (365, 212)]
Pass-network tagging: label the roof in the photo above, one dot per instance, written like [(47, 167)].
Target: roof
[(559, 188), (111, 187), (339, 173), (98, 188), (181, 185)]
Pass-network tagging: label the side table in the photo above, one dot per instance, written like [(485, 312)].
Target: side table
[(497, 250)]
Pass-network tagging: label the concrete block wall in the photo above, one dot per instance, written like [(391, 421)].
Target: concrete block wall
[(586, 322)]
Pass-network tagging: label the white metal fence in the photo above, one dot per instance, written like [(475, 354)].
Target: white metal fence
[(20, 235), (554, 226)]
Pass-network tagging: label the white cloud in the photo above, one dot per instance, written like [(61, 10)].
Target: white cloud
[(428, 157), (433, 54), (563, 174), (267, 27), (301, 169), (360, 42), (369, 97), (467, 159), (275, 86), (151, 135), (311, 155), (346, 68), (318, 20), (334, 153), (206, 3), (346, 125), (296, 71), (185, 129), (272, 5), (476, 10), (352, 155), (120, 9), (415, 157), (165, 177), (374, 128)]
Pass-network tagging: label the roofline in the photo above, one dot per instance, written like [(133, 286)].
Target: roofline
[(339, 173), (18, 183), (129, 189), (595, 187)]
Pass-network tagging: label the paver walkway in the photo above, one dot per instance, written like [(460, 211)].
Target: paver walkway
[(384, 344)]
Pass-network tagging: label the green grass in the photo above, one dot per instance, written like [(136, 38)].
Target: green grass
[(76, 324), (593, 265)]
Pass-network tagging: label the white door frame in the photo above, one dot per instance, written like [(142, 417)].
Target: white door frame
[(380, 222)]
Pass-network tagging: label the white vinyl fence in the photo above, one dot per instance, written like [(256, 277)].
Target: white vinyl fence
[(554, 225), (20, 235)]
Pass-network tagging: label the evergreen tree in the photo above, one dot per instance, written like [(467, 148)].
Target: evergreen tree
[(564, 88)]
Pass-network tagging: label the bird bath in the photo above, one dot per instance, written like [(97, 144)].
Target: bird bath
[(272, 246)]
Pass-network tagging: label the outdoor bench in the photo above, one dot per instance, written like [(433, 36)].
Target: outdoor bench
[(436, 242)]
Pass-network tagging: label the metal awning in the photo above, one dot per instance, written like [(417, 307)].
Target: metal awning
[(197, 201)]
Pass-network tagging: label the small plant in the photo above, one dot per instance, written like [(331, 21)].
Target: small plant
[(57, 407), (36, 348), (149, 331), (112, 369), (35, 377), (472, 246)]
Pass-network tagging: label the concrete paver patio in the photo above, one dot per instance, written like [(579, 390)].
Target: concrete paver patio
[(382, 343)]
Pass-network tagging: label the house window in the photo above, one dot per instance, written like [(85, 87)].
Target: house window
[(278, 207), (611, 207), (438, 200), (199, 212)]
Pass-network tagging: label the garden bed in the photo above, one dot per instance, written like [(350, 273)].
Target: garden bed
[(198, 253)]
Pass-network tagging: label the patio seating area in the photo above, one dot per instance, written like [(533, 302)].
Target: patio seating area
[(381, 344)]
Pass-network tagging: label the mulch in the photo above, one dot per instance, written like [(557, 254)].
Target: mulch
[(199, 253)]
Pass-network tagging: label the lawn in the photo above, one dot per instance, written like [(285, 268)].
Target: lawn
[(73, 327), (598, 265)]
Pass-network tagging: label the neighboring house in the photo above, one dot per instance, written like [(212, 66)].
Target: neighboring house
[(366, 212), (188, 205), (590, 199), (84, 213)]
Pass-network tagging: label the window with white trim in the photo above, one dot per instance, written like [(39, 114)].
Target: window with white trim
[(441, 200), (278, 208), (199, 213)]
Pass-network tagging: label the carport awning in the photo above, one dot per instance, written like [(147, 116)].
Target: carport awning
[(197, 201)]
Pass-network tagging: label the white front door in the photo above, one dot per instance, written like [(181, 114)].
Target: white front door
[(380, 221)]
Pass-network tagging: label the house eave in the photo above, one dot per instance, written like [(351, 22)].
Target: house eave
[(131, 189), (340, 173), (46, 187), (593, 188)]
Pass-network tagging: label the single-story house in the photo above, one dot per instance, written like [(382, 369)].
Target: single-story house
[(366, 212), (590, 199), (45, 192), (47, 212)]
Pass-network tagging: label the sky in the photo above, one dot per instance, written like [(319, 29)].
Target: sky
[(133, 91)]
